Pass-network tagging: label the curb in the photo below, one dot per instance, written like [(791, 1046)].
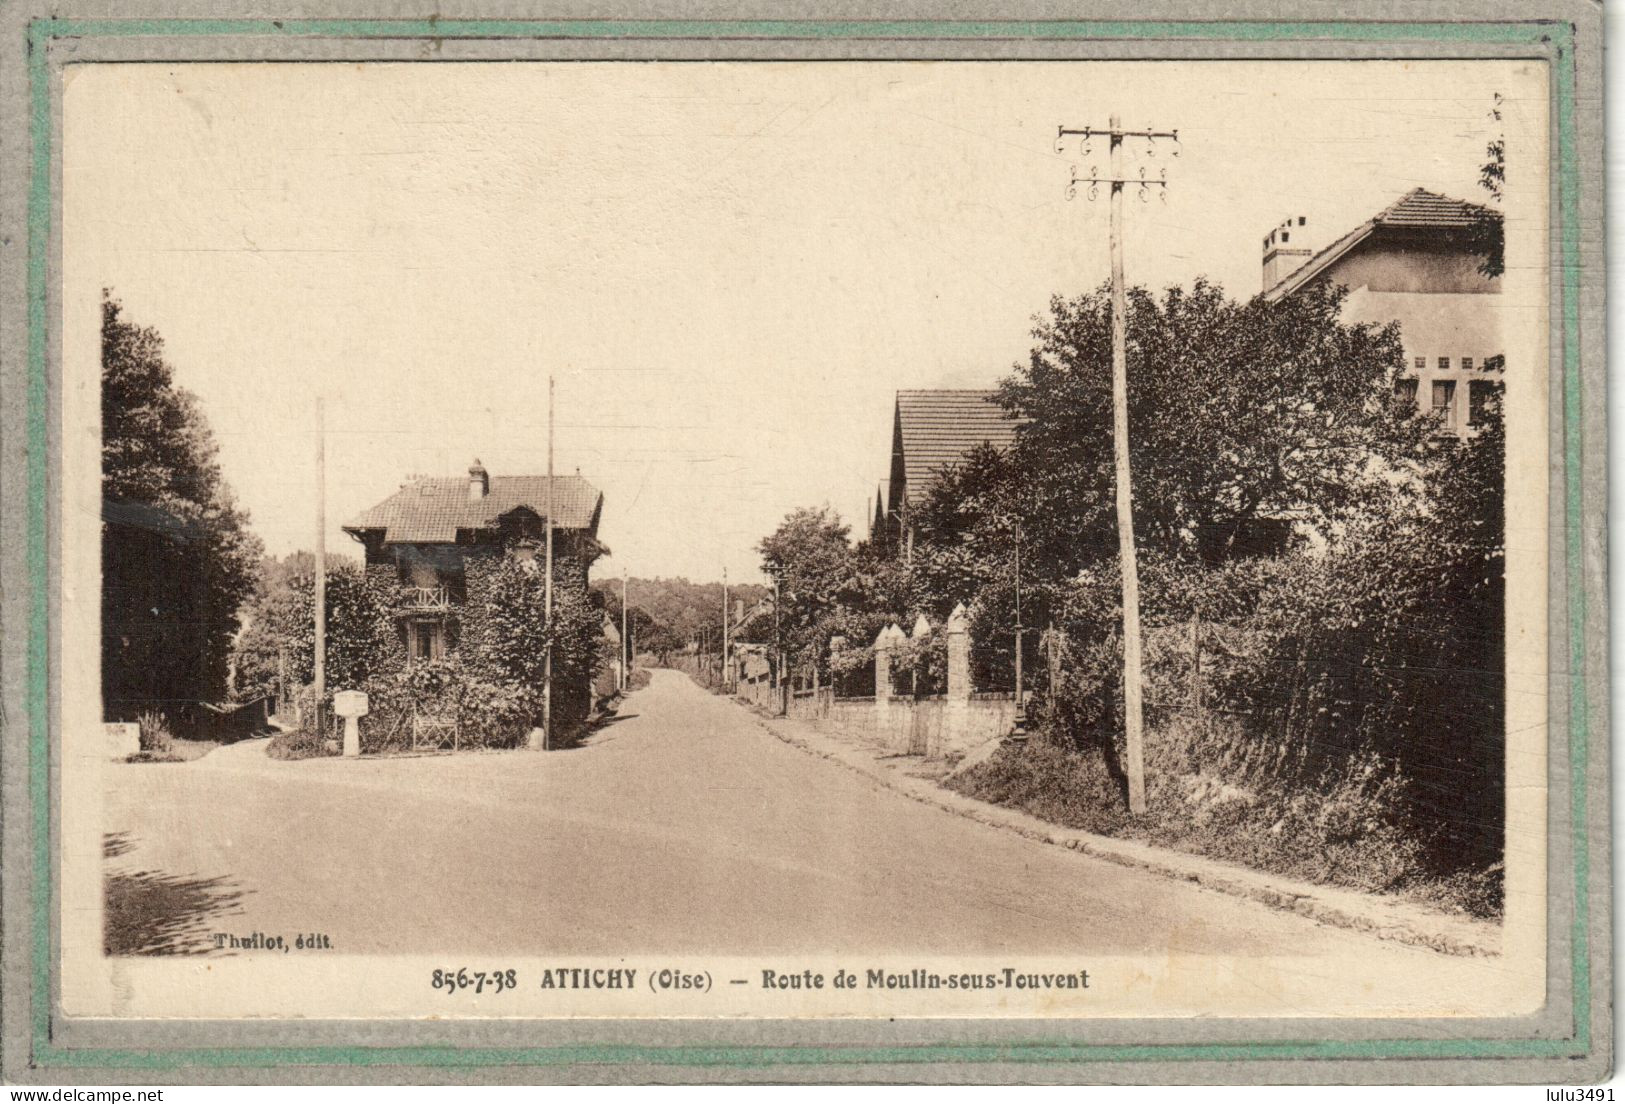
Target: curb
[(1384, 919)]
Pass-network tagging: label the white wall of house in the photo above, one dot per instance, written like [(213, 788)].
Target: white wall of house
[(1449, 316)]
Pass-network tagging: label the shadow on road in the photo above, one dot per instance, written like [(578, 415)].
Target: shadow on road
[(151, 913), (595, 728)]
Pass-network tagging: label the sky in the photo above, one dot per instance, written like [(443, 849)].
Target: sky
[(729, 269)]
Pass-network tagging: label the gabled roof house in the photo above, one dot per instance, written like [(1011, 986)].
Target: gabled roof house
[(436, 537), (933, 430), (1416, 262)]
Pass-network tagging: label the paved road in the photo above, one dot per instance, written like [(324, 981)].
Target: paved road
[(681, 827)]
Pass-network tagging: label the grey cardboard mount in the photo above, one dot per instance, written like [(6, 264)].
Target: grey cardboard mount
[(42, 1047)]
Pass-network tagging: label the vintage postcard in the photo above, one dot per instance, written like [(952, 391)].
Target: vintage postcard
[(585, 546)]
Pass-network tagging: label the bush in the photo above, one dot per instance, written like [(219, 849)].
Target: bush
[(1065, 787), (1377, 660), (156, 738), (302, 743), (487, 714), (1348, 828)]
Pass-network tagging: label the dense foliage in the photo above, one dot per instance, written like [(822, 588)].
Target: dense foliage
[(506, 632), (1239, 413), (490, 684), (279, 635), (669, 616), (178, 558), (1321, 583)]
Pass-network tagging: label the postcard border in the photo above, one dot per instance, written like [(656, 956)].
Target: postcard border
[(1541, 34)]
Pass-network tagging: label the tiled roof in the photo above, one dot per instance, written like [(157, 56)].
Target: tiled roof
[(1418, 209), (939, 428), (432, 510), (1423, 208)]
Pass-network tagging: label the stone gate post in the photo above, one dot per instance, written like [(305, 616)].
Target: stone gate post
[(956, 706), (883, 655)]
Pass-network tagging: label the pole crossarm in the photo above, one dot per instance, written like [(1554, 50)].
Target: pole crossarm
[(1117, 180), (1093, 182), (1112, 132)]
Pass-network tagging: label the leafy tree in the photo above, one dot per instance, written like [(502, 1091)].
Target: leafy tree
[(1489, 230), (813, 559), (673, 613), (1238, 413), (966, 527), (279, 634), (178, 558)]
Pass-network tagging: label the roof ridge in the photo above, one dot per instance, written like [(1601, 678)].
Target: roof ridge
[(1392, 216), (1420, 191)]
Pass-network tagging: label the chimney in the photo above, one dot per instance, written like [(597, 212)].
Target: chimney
[(1286, 249), (479, 481)]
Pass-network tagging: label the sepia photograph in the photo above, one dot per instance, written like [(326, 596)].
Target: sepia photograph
[(844, 540)]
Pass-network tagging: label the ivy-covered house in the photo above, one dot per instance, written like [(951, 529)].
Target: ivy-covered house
[(438, 545)]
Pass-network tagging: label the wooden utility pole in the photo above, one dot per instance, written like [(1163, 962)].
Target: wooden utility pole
[(1133, 705), (727, 670), (1196, 663), (1020, 730), (321, 567), (778, 642), (626, 671), (547, 586)]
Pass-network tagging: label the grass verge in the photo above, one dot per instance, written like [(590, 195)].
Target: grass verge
[(1342, 834)]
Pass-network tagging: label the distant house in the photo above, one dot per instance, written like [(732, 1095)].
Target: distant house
[(933, 430), (436, 539), (1415, 262)]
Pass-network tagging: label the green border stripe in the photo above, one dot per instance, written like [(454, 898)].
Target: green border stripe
[(1531, 33), (1020, 1053), (39, 240), (1574, 540)]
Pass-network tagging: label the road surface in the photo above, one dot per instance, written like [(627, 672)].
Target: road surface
[(681, 827)]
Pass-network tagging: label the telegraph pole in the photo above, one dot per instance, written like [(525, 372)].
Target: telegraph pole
[(778, 640), (1133, 705), (321, 566), (625, 672), (547, 586), (726, 670), (1020, 730)]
